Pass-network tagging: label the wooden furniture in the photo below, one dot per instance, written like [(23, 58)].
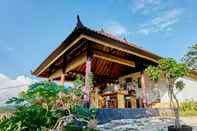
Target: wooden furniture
[(113, 100)]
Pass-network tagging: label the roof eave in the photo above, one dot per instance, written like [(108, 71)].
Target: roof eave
[(81, 29)]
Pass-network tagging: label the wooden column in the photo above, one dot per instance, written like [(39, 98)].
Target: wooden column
[(62, 79), (133, 102), (120, 100), (143, 86), (61, 93), (86, 98), (94, 100)]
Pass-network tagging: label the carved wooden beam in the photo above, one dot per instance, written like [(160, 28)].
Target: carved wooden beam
[(114, 59), (81, 59), (119, 47), (76, 62)]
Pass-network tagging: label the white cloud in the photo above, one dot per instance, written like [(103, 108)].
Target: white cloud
[(163, 22), (10, 88), (145, 6), (144, 31), (116, 28), (158, 15)]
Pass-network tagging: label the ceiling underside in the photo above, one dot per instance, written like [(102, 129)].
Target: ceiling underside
[(104, 70)]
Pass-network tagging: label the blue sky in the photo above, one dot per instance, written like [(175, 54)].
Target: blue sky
[(31, 29)]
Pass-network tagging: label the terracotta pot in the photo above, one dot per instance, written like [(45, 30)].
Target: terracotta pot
[(182, 128)]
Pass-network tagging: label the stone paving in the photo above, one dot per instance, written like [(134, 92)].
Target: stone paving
[(145, 124)]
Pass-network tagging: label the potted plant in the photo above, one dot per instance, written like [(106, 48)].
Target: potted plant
[(170, 70)]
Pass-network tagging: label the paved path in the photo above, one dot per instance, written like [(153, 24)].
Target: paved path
[(190, 120), (146, 124)]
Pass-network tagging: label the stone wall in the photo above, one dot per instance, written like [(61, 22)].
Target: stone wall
[(108, 114)]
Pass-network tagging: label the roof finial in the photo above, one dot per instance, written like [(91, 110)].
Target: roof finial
[(79, 23)]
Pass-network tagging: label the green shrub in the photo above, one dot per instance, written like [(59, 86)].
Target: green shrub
[(189, 108), (44, 104), (34, 117), (40, 107), (84, 113), (188, 105)]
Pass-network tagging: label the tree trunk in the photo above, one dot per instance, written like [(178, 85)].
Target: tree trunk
[(177, 119), (176, 111), (172, 104)]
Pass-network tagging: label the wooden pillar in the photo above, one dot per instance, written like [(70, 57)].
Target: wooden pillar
[(94, 100), (143, 86), (86, 90), (61, 93), (120, 100), (133, 102), (62, 79)]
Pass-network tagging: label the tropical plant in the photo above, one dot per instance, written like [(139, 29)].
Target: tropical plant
[(34, 117), (80, 116), (41, 106), (84, 116), (170, 70), (188, 108), (191, 57), (46, 105), (91, 80), (38, 93), (37, 108), (84, 113), (91, 91)]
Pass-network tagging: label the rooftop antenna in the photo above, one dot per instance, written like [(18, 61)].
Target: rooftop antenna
[(79, 23)]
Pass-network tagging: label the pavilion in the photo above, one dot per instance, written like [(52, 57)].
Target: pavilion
[(111, 60)]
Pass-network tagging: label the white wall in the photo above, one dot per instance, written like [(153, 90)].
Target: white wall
[(159, 90), (188, 92), (155, 90)]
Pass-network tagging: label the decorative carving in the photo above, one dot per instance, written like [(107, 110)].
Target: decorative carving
[(79, 23)]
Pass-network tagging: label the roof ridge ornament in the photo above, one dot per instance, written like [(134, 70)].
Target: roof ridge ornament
[(79, 23)]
